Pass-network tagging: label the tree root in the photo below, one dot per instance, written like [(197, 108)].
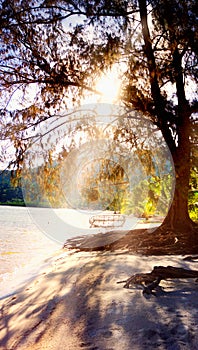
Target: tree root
[(150, 281), (191, 258)]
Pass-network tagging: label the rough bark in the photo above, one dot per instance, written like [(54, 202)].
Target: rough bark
[(178, 217)]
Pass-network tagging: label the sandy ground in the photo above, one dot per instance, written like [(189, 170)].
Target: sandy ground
[(75, 303)]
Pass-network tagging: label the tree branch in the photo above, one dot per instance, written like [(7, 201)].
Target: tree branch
[(194, 107), (158, 99)]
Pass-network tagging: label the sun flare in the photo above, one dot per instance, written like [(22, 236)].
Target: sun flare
[(108, 85)]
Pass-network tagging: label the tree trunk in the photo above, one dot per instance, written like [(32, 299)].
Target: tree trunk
[(178, 216), (177, 221)]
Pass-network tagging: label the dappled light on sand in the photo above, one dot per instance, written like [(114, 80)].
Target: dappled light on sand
[(77, 304)]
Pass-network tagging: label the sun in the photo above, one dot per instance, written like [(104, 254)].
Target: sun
[(108, 85)]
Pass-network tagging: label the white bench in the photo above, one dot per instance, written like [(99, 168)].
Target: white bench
[(112, 220)]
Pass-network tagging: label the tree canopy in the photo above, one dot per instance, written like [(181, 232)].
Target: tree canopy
[(52, 52)]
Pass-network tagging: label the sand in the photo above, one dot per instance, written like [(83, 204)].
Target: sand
[(75, 303)]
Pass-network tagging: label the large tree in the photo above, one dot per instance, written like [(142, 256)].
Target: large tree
[(170, 51), (60, 47)]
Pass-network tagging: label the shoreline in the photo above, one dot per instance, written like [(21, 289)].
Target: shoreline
[(23, 246), (22, 275)]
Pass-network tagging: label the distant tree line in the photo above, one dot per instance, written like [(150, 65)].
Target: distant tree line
[(10, 193), (141, 202)]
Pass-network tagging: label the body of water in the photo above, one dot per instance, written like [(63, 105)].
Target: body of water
[(29, 236), (23, 247)]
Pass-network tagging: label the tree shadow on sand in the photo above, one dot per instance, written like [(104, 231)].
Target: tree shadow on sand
[(78, 304)]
